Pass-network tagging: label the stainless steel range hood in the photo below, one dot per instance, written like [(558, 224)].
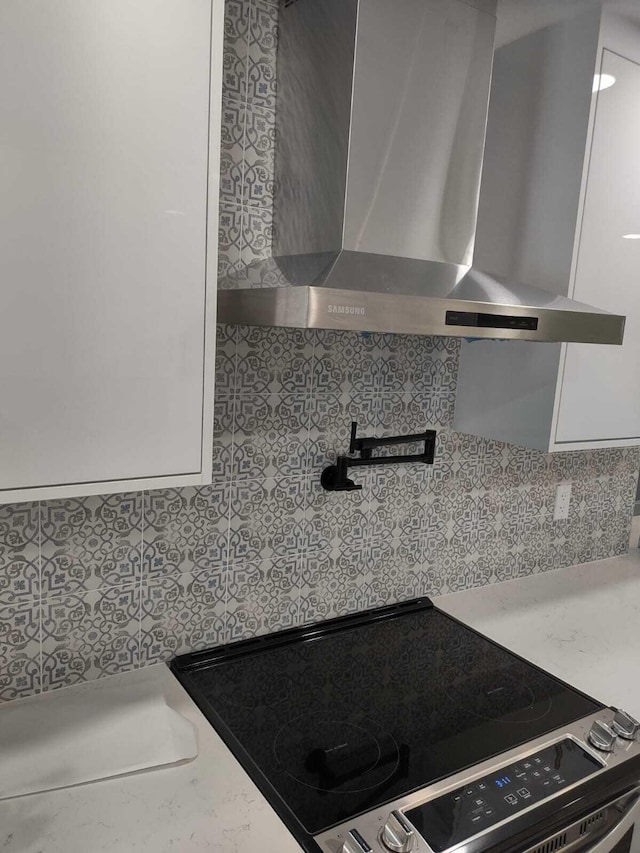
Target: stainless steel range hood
[(381, 118)]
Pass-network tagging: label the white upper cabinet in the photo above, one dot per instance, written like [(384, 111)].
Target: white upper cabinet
[(600, 398), (109, 151), (560, 195)]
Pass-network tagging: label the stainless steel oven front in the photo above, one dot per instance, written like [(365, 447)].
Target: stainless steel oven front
[(556, 794), (606, 829)]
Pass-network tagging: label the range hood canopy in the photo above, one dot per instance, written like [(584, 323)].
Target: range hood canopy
[(381, 117)]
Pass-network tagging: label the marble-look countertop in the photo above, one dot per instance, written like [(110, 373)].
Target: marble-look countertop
[(580, 623), (208, 804)]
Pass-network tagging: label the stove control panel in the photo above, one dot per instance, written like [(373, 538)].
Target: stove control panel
[(462, 813)]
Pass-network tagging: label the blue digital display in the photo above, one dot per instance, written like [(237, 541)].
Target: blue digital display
[(502, 781)]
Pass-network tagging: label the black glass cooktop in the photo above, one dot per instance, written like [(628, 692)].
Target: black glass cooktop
[(337, 718)]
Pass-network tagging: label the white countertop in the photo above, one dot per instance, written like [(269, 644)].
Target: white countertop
[(206, 804), (579, 623)]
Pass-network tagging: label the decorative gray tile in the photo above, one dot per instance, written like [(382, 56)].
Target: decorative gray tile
[(484, 471), (482, 463), (331, 583), (271, 436), (181, 613), (448, 469), (474, 523), (330, 421), (571, 465), (435, 547), (19, 553), (495, 559), (487, 569), (624, 490), (236, 49), (553, 556), (223, 420), (396, 572), (398, 500), (225, 378), (231, 150), (523, 512), (261, 80), (90, 542), (336, 518), (524, 465), (260, 136), (19, 650), (435, 375), (594, 501), (402, 414), (441, 511), (345, 362), (259, 157), (613, 461), (230, 238), (267, 519), (262, 56), (257, 233), (186, 530), (88, 636), (579, 542), (263, 596), (456, 572), (264, 28), (274, 361), (421, 365)]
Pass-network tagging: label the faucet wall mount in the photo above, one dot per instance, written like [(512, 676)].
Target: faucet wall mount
[(334, 478)]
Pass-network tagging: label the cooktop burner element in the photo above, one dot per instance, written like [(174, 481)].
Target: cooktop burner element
[(335, 719), (337, 756), (505, 699)]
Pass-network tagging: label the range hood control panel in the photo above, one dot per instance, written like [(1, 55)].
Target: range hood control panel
[(490, 321)]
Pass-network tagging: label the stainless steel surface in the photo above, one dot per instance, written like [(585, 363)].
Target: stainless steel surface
[(604, 826), (630, 821), (380, 134), (354, 844), (602, 736), (316, 47), (397, 834), (418, 116), (625, 725), (381, 119), (370, 824), (328, 308)]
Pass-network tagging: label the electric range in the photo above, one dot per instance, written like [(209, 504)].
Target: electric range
[(401, 729)]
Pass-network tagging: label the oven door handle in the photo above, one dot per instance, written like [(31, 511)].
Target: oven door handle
[(617, 832)]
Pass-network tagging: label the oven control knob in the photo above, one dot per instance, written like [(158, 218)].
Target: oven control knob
[(602, 737), (355, 843), (397, 834), (625, 725)]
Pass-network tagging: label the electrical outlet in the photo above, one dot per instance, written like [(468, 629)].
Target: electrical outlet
[(563, 501)]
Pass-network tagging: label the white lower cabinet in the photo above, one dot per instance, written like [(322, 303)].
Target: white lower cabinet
[(570, 235), (109, 151)]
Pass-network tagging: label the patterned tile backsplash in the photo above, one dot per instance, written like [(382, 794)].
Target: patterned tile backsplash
[(92, 586)]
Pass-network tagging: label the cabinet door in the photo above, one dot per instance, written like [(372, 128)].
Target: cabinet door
[(104, 132), (600, 399)]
